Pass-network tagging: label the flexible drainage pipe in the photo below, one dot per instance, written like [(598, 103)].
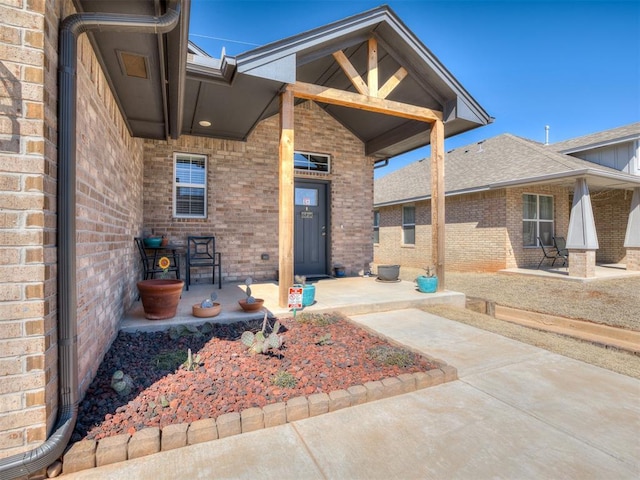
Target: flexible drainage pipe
[(25, 464)]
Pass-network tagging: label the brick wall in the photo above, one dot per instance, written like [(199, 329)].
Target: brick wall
[(109, 214), (611, 213), (242, 193), (483, 231), (27, 156)]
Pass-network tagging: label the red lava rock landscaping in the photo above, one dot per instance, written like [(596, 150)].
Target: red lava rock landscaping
[(321, 352)]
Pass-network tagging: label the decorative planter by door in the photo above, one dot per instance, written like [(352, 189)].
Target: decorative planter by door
[(308, 294), (160, 297), (388, 273), (427, 284)]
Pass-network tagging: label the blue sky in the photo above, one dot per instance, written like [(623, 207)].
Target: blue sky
[(574, 66)]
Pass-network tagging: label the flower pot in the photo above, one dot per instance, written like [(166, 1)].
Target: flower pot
[(388, 273), (152, 242), (206, 312), (251, 307), (160, 297), (427, 284), (339, 271)]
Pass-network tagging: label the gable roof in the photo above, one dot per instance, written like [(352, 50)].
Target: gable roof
[(622, 134), (499, 162), (234, 94)]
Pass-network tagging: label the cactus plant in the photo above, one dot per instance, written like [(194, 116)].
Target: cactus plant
[(121, 383), (248, 283), (260, 342)]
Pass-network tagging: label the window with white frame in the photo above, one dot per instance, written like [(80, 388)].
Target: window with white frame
[(312, 162), (189, 186), (409, 225), (376, 226), (537, 219)]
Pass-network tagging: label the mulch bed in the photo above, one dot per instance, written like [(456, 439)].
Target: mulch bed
[(321, 353)]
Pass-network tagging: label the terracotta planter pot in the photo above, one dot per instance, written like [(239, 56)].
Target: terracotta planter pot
[(206, 312), (251, 307), (160, 297)]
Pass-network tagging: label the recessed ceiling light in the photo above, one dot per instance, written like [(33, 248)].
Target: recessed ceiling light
[(204, 123)]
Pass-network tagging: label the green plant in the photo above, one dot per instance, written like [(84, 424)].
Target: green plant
[(430, 271), (284, 379), (184, 331), (250, 298), (121, 383), (300, 280), (324, 340), (169, 360), (391, 356), (192, 362), (261, 342), (319, 319), (209, 302)]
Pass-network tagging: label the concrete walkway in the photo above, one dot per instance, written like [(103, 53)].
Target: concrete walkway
[(517, 412)]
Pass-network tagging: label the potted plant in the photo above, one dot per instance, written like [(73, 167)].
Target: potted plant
[(427, 283), (160, 296), (308, 291), (207, 308), (250, 304), (388, 273)]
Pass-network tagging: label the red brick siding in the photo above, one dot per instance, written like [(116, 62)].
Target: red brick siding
[(611, 214), (483, 231), (109, 213), (243, 193)]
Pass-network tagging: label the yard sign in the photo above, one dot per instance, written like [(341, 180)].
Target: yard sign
[(295, 297)]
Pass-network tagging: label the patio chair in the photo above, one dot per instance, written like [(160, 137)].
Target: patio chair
[(149, 263), (560, 245), (201, 252), (550, 253)]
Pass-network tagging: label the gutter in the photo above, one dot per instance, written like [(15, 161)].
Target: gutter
[(28, 463)]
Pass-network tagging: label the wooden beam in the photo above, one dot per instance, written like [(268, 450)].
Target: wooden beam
[(351, 72), (437, 201), (372, 68), (285, 199), (392, 83), (371, 104)]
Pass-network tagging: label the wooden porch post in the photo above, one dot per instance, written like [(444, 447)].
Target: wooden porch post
[(437, 200), (285, 198)]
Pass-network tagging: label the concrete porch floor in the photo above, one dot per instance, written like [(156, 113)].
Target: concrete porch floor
[(349, 295), (602, 272)]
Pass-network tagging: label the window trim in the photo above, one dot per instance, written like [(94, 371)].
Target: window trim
[(412, 225), (307, 170), (539, 220), (176, 184)]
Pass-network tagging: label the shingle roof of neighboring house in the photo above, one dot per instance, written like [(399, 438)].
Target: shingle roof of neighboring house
[(599, 139), (505, 160)]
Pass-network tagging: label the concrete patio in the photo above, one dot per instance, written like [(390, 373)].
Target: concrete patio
[(349, 295)]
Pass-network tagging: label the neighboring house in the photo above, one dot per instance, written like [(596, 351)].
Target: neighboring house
[(271, 151), (505, 192)]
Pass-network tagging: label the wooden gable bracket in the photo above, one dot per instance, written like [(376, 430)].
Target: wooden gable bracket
[(370, 88)]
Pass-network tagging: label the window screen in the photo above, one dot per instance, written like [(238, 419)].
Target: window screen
[(190, 186)]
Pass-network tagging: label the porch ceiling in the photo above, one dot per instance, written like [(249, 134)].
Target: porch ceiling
[(145, 71), (234, 94)]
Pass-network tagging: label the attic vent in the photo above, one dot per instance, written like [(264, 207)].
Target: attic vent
[(133, 65)]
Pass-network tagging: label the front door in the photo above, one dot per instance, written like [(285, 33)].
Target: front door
[(310, 228)]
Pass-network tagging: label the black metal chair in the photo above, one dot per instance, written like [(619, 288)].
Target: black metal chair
[(149, 264), (561, 246), (550, 253), (201, 252)]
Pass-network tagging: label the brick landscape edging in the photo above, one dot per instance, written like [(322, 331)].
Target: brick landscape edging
[(96, 453)]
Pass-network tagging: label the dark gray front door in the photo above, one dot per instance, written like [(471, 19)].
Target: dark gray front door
[(310, 228)]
